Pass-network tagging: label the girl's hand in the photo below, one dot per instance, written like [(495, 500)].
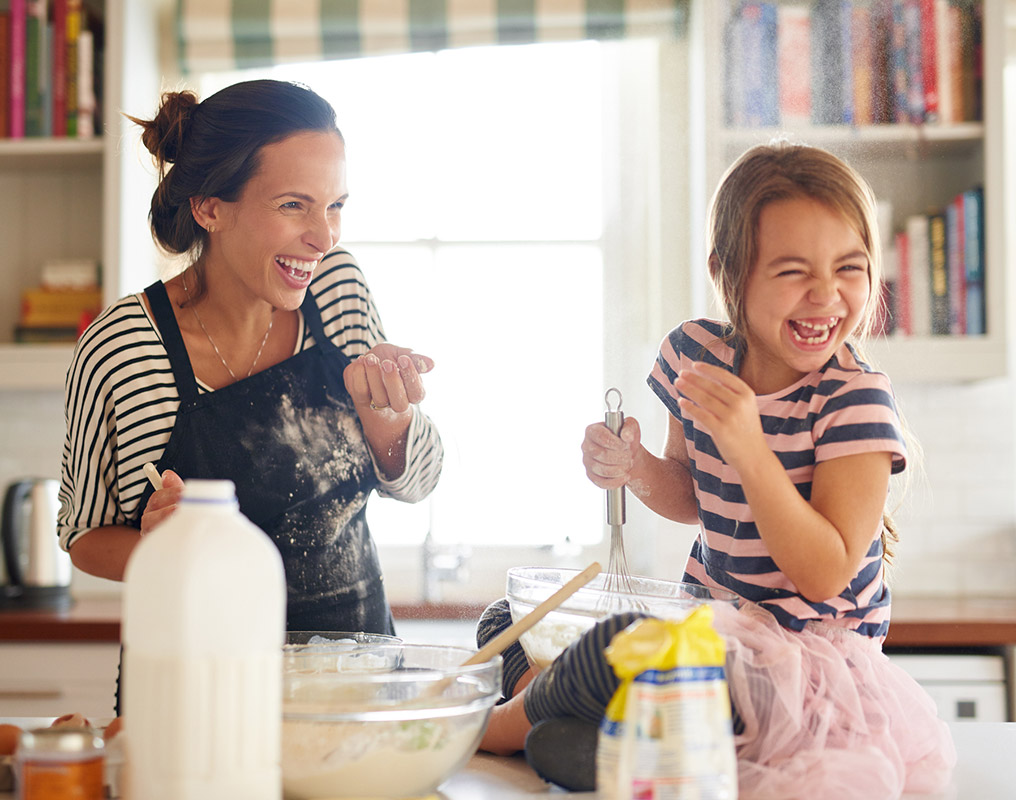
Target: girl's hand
[(725, 407), (163, 502), (609, 458), (386, 377)]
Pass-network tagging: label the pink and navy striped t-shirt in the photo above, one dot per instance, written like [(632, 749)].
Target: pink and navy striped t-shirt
[(845, 408)]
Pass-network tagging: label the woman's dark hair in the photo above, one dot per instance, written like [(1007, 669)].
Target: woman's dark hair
[(212, 148)]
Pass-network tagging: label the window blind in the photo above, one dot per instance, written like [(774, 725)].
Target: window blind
[(235, 34)]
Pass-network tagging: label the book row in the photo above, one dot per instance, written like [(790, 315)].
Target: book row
[(935, 271), (50, 68), (853, 62)]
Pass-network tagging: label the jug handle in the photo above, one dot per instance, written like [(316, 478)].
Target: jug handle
[(13, 498)]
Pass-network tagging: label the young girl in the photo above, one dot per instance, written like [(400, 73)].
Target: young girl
[(780, 444)]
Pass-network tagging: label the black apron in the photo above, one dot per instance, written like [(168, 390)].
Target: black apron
[(290, 440)]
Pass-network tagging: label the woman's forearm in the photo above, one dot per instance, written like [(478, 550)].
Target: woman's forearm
[(104, 552)]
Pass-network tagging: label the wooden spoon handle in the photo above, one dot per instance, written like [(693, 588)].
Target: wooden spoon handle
[(514, 631)]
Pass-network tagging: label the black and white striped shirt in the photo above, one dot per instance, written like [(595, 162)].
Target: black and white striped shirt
[(120, 402)]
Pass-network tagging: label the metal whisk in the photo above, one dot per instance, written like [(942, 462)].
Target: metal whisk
[(618, 578)]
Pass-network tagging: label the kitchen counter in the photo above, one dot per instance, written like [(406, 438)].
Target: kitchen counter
[(986, 770), (917, 622)]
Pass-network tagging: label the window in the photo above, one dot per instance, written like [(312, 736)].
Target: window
[(476, 212)]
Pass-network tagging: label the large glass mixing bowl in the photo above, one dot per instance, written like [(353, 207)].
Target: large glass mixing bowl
[(527, 587), (391, 720)]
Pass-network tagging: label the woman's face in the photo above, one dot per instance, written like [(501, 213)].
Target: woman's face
[(267, 243), (806, 292)]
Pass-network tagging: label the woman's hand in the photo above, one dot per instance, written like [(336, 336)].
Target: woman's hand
[(386, 377), (163, 502), (609, 458)]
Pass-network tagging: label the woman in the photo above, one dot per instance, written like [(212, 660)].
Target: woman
[(263, 362)]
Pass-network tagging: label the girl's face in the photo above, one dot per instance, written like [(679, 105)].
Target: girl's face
[(269, 241), (805, 294)]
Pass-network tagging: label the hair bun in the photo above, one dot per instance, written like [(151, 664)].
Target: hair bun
[(164, 135)]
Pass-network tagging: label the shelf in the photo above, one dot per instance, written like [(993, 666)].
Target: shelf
[(34, 366), (938, 359), (887, 142), (49, 153)]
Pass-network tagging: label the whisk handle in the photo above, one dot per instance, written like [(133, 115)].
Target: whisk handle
[(614, 419)]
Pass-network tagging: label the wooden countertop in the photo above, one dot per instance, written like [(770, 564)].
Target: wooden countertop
[(97, 619), (917, 621)]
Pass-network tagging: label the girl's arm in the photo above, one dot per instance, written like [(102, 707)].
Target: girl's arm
[(662, 483), (818, 545)]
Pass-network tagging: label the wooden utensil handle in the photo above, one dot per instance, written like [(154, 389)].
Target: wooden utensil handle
[(514, 631)]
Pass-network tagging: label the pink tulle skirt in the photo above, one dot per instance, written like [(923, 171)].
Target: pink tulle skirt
[(826, 715)]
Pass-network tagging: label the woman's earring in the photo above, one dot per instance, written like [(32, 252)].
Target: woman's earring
[(210, 229)]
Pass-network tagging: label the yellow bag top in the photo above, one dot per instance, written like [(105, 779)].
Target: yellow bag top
[(661, 644)]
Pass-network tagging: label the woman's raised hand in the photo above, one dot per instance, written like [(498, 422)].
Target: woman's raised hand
[(387, 377), (609, 458), (163, 502)]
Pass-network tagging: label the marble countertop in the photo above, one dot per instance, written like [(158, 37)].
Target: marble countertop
[(986, 769)]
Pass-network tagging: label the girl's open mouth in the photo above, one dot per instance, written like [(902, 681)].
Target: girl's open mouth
[(812, 332)]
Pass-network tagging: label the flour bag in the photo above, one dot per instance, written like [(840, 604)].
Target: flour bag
[(667, 732)]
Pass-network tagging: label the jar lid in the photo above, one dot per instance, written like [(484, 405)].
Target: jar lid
[(52, 741)]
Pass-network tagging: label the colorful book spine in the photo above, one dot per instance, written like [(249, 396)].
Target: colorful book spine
[(760, 101), (973, 261), (913, 50), (733, 84), (794, 54), (920, 275), (73, 31), (929, 59), (5, 73), (881, 61), (35, 54), (903, 301), (939, 276), (946, 61), (955, 229), (827, 68), (862, 61), (899, 75), (59, 72), (17, 75), (86, 92)]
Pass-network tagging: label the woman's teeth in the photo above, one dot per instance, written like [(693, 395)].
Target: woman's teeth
[(296, 269), (811, 332)]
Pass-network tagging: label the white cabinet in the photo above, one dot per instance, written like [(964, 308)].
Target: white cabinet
[(915, 167), (69, 198), (965, 687), (52, 679)]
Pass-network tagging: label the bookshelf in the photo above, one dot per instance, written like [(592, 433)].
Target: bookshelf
[(917, 167), (63, 197)]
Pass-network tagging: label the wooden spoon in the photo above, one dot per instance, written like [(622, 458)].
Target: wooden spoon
[(514, 631)]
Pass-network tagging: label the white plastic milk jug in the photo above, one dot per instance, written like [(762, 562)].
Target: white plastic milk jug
[(203, 629)]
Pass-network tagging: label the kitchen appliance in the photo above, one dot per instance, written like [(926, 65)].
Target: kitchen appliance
[(34, 571)]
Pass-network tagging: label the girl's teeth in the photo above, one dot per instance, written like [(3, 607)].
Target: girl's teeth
[(819, 332)]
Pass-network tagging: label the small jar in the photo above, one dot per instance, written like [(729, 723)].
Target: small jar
[(60, 764)]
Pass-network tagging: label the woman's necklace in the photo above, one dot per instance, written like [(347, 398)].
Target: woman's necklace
[(194, 311)]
